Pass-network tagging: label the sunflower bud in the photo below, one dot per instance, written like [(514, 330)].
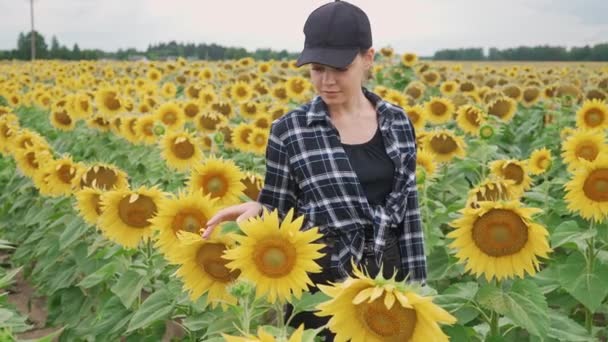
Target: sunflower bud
[(218, 138), (159, 129), (486, 132)]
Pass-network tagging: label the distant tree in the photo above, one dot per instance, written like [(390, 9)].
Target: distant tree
[(24, 44)]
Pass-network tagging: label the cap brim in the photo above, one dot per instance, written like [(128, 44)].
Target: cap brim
[(335, 58)]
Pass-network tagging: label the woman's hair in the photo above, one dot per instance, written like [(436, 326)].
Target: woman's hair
[(370, 73)]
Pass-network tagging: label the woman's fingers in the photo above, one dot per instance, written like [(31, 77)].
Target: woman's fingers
[(226, 214), (251, 212)]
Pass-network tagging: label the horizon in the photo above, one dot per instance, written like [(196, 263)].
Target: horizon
[(470, 23)]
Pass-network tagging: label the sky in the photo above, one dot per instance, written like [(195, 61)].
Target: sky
[(420, 26)]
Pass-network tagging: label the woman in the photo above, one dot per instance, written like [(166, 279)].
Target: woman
[(346, 160)]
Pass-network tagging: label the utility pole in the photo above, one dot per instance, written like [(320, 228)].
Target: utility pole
[(33, 35)]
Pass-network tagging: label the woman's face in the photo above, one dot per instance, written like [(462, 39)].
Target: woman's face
[(337, 86)]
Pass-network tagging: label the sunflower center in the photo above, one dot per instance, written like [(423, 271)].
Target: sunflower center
[(394, 324), (245, 134), (297, 87), (215, 185), (587, 151), (596, 185), (191, 110), (443, 144), (183, 150), (148, 129), (136, 213), (30, 157), (594, 117), (486, 132), (259, 140), (63, 118), (414, 116), (500, 108), (209, 258), (241, 92), (543, 163), (274, 257), (111, 102), (190, 220), (104, 178), (169, 118), (496, 193), (514, 172), (438, 108), (500, 232), (65, 173), (472, 117)]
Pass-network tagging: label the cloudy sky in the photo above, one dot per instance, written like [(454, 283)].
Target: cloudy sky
[(421, 26)]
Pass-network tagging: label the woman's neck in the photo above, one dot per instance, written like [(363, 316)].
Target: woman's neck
[(353, 107)]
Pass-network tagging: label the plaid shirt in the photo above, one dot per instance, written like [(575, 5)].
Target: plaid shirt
[(307, 169)]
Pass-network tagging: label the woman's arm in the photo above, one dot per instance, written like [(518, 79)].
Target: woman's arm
[(280, 188)]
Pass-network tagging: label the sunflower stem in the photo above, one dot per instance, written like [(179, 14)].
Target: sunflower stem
[(246, 317), (494, 326), (281, 320), (590, 261)]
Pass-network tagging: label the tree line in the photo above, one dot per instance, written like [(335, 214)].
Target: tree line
[(160, 51), (154, 52), (598, 52)]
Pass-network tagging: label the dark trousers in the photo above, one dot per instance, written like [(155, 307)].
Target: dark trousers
[(391, 260)]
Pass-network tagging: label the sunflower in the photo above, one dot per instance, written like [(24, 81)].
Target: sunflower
[(128, 128), (448, 88), (276, 257), (126, 214), (168, 90), (470, 119), (515, 170), (241, 92), (219, 178), (191, 110), (202, 268), (264, 67), (88, 204), (263, 120), (108, 101), (144, 129), (540, 161), (63, 176), (223, 108), (249, 110), (253, 185), (431, 78), (30, 160), (241, 136), (182, 212), (207, 97), (208, 122), (297, 87), (366, 309), (587, 191), (530, 96), (82, 106), (583, 145), (180, 150), (415, 90), (439, 110), (503, 107), (263, 336), (279, 92), (417, 116), (492, 189), (425, 160), (513, 91), (499, 239), (258, 139), (387, 51), (445, 145), (171, 115), (409, 59), (593, 114), (104, 177)]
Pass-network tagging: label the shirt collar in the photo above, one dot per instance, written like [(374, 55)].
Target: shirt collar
[(318, 111)]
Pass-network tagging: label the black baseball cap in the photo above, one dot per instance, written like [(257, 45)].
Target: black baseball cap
[(334, 34)]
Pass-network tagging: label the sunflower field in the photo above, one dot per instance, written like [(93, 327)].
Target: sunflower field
[(109, 170)]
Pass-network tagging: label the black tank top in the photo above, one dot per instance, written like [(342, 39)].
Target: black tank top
[(374, 168)]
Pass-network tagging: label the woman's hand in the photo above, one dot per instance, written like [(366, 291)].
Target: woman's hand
[(239, 212)]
